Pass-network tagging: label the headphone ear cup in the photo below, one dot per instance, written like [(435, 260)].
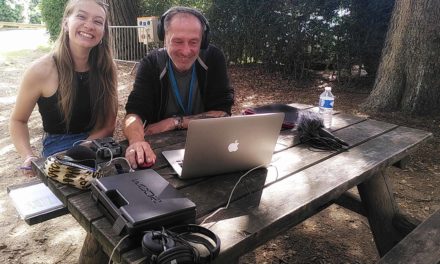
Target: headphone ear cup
[(205, 40), (153, 243), (160, 28), (179, 254)]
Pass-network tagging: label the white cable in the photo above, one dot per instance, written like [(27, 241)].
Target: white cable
[(276, 169), (108, 163), (114, 249), (128, 163), (111, 155), (81, 141), (232, 192)]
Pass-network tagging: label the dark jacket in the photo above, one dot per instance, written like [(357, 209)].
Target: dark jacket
[(150, 90)]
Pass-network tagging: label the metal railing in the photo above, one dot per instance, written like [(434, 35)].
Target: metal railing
[(127, 45)]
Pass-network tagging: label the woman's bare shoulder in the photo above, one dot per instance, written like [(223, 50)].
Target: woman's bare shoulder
[(41, 76), (42, 68)]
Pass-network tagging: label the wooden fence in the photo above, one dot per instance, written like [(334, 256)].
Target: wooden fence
[(20, 25)]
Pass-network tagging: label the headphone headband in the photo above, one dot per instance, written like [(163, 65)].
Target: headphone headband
[(191, 228), (182, 9), (163, 246)]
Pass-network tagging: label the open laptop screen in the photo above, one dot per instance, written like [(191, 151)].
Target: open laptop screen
[(227, 144)]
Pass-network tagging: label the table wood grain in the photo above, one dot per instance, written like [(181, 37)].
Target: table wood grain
[(299, 183)]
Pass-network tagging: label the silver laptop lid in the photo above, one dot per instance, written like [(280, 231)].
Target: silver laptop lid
[(229, 144)]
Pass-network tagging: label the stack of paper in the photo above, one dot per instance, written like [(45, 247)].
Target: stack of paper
[(34, 200)]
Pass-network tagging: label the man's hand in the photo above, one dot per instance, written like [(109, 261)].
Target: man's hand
[(140, 154), (162, 126)]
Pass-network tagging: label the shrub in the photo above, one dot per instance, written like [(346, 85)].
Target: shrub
[(10, 12), (52, 13), (35, 12)]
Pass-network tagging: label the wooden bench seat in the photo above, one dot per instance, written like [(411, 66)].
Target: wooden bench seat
[(422, 245)]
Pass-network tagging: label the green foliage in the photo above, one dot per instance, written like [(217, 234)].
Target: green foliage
[(10, 11), (294, 36), (298, 35), (52, 14), (35, 12), (368, 27), (157, 8)]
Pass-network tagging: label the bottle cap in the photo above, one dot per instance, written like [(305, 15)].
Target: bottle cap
[(328, 88)]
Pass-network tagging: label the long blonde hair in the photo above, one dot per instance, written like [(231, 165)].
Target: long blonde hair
[(102, 73)]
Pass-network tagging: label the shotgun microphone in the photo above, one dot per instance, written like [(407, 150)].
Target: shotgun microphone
[(82, 155), (311, 131)]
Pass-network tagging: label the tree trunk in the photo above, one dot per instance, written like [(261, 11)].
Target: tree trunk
[(408, 76), (126, 44), (123, 13)]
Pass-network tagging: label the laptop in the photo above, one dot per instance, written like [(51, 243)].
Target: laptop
[(227, 144)]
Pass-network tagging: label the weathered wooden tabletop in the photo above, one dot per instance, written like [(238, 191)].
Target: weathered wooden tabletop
[(300, 183)]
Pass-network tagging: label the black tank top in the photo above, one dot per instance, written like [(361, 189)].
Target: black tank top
[(53, 119)]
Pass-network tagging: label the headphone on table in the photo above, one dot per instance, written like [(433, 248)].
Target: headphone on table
[(172, 245), (181, 9)]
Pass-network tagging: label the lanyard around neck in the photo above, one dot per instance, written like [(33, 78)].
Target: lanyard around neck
[(188, 108)]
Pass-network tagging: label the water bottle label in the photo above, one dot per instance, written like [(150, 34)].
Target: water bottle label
[(327, 103)]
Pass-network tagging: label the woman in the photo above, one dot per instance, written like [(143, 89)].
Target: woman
[(74, 86)]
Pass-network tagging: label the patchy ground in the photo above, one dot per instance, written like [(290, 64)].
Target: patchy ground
[(335, 235)]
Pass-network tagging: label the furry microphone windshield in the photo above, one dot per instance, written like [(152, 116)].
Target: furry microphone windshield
[(311, 131)]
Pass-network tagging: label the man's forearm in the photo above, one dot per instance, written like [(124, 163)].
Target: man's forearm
[(204, 115), (133, 128)]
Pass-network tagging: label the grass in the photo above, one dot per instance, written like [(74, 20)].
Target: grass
[(17, 54)]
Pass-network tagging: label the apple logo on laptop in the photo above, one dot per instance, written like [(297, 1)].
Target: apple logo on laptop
[(233, 146)]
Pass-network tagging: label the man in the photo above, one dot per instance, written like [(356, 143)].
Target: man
[(185, 80)]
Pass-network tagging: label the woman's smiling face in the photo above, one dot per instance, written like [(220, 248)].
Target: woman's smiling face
[(86, 24)]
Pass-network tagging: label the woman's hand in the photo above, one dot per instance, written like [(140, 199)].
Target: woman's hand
[(26, 166)]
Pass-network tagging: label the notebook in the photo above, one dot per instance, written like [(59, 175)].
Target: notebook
[(35, 202), (228, 144)]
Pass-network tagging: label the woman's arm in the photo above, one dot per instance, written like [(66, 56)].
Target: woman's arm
[(31, 88), (106, 130), (39, 79)]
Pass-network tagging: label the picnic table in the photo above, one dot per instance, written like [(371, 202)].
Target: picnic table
[(300, 182)]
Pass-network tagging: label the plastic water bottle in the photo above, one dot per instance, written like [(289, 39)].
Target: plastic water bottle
[(326, 101)]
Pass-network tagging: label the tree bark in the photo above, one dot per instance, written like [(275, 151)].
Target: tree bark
[(408, 76), (123, 13), (125, 40)]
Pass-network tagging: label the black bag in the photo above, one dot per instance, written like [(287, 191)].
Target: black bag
[(290, 113)]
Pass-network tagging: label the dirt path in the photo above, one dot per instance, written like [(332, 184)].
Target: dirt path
[(333, 236)]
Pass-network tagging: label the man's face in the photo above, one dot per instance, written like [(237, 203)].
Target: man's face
[(182, 40)]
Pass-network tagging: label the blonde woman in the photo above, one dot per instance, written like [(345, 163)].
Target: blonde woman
[(74, 86)]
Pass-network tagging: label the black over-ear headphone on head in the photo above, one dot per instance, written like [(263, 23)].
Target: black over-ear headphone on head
[(181, 9), (173, 245)]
